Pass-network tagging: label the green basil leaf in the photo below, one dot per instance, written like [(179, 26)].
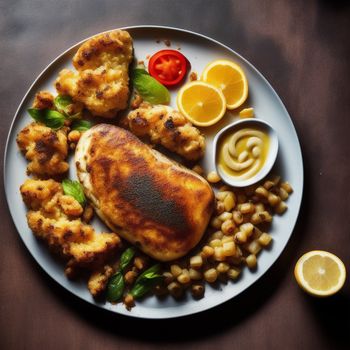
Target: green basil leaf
[(50, 118), (146, 281), (36, 114), (115, 287), (126, 258), (81, 125), (61, 102), (150, 89), (53, 119), (74, 189)]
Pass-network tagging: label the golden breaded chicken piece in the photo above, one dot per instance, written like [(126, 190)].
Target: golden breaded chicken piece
[(54, 218), (169, 128), (46, 149), (153, 202), (101, 81)]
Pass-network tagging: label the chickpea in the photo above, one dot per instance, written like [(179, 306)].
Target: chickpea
[(196, 261), (215, 243), (222, 267), (74, 136), (251, 261), (211, 275), (130, 277), (268, 184), (175, 289), (261, 191), (273, 199), (265, 216), (228, 227), (197, 291), (225, 216), (237, 217), (219, 254), (247, 208), (229, 248), (168, 277), (216, 222), (287, 187), (256, 219), (176, 270), (129, 301), (276, 180), (253, 247), (184, 277), (140, 262), (207, 251), (265, 239), (283, 194), (229, 201), (220, 207), (241, 237), (216, 235), (247, 228), (281, 208), (233, 273), (213, 177), (221, 195), (195, 274)]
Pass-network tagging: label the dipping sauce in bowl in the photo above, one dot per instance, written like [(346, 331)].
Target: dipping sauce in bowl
[(245, 152)]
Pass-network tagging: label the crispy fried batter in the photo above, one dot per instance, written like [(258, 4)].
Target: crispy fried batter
[(101, 80), (98, 280), (165, 126), (43, 100), (46, 149), (53, 218)]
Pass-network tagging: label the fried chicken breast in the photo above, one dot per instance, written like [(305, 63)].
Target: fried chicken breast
[(153, 202), (46, 149), (101, 81), (169, 128), (54, 218)]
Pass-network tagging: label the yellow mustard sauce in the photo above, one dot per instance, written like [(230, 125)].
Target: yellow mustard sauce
[(243, 152)]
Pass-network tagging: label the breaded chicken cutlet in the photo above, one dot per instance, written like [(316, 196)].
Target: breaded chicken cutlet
[(45, 148), (55, 218), (165, 126), (101, 81)]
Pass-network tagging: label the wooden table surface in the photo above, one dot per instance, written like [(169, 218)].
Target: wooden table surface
[(303, 49)]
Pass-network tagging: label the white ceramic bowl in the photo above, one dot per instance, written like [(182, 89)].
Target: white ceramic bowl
[(271, 156)]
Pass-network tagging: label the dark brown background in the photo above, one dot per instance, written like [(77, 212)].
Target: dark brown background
[(303, 49)]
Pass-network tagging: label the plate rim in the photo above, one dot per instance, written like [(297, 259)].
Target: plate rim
[(175, 29)]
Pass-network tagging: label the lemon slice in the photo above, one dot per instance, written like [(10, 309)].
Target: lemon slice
[(201, 103), (230, 79), (320, 273)]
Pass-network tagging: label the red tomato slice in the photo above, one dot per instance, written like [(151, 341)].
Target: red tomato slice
[(169, 67)]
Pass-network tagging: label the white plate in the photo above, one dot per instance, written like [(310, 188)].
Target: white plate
[(199, 50)]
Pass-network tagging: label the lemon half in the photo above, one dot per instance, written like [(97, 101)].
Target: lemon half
[(229, 77), (201, 103), (320, 273)]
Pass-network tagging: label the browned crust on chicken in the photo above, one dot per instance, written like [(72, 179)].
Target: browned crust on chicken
[(169, 128), (151, 201)]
